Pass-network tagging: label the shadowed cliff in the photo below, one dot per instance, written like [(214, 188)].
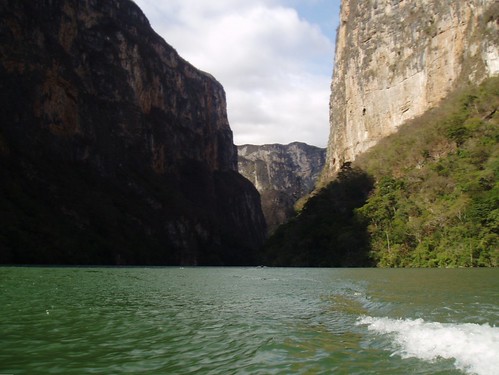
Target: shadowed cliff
[(113, 149)]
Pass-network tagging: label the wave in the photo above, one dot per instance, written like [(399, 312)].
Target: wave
[(473, 347)]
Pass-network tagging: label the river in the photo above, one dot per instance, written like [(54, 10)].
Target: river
[(248, 321)]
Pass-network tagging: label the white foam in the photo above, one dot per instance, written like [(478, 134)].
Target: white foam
[(474, 347)]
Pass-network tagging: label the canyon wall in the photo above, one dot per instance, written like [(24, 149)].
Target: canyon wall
[(113, 149), (282, 174), (396, 59)]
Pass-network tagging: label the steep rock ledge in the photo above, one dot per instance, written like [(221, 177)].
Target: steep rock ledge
[(113, 148), (282, 174), (397, 59)]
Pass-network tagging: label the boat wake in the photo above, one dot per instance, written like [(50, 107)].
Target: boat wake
[(473, 347)]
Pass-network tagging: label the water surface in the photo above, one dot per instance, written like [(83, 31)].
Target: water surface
[(248, 321)]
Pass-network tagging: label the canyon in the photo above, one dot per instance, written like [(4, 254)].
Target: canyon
[(115, 150)]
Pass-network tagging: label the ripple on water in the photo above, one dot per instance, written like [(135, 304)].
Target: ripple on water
[(234, 320)]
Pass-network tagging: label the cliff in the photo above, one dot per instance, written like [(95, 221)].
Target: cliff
[(410, 178), (397, 59), (282, 174), (114, 149)]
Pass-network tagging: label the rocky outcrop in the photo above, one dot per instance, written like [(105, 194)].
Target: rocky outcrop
[(395, 59), (113, 148), (282, 174)]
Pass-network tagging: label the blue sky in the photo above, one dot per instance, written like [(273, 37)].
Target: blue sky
[(324, 13), (273, 57)]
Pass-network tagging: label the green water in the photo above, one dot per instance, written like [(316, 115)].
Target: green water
[(248, 321)]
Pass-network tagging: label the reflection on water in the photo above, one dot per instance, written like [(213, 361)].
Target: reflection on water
[(246, 320)]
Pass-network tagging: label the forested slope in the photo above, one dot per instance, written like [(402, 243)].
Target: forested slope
[(426, 196)]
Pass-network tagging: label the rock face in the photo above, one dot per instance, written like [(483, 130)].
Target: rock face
[(395, 59), (113, 148), (282, 174)]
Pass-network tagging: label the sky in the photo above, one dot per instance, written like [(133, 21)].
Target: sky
[(274, 59)]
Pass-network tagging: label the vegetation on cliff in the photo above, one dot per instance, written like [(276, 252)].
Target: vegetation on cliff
[(326, 232), (434, 201)]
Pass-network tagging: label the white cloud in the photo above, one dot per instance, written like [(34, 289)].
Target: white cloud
[(275, 66)]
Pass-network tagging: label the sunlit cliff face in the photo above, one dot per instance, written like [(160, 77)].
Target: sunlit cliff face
[(397, 59)]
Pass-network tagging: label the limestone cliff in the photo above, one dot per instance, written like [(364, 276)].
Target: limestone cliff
[(395, 59), (282, 174), (113, 148)]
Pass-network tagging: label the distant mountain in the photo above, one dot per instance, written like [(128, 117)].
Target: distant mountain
[(282, 174)]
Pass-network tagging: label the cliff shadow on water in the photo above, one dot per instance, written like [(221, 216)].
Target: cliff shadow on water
[(327, 232)]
